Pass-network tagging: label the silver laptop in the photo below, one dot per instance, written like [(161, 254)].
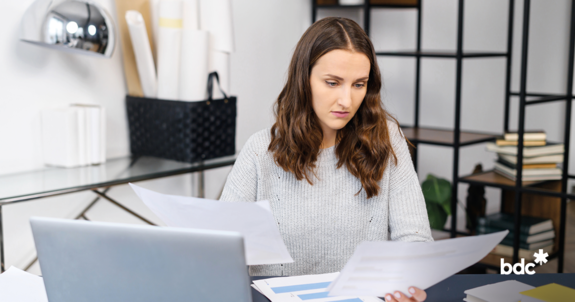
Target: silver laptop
[(85, 261)]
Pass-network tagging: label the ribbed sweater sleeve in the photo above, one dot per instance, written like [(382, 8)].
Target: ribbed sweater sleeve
[(408, 219), (242, 182)]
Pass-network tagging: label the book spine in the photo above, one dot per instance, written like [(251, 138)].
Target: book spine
[(501, 224), (522, 245), (488, 230)]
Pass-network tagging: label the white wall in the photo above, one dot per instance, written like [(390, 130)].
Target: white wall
[(33, 78)]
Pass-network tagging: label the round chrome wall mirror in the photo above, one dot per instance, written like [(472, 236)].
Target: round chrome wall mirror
[(75, 26)]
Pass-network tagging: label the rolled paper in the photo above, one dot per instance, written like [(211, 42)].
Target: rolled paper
[(169, 48), (216, 18), (155, 16), (191, 14), (143, 53), (194, 65), (220, 62)]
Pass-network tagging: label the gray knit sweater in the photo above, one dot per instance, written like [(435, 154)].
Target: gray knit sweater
[(321, 224)]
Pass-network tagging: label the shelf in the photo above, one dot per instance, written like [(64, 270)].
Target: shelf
[(445, 137), (538, 98), (439, 54), (492, 179)]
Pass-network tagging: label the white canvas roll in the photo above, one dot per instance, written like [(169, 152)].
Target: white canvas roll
[(220, 62), (216, 18), (191, 14), (143, 53), (169, 48), (155, 15), (194, 65)]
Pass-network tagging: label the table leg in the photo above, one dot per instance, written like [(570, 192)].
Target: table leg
[(122, 207), (201, 191), (1, 244)]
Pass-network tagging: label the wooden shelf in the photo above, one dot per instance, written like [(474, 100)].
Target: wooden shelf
[(444, 137), (492, 179)]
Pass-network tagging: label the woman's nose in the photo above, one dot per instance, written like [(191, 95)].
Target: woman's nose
[(344, 99)]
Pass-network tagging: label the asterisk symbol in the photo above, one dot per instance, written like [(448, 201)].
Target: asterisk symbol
[(540, 257)]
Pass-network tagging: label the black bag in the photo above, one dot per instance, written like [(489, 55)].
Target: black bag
[(183, 131)]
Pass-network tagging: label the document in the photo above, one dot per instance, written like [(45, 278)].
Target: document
[(309, 288), (380, 267), (506, 291), (254, 220), (19, 286)]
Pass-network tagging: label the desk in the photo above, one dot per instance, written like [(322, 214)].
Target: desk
[(53, 181), (452, 288)]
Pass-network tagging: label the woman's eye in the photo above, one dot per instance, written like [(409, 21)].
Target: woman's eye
[(359, 85), (331, 84)]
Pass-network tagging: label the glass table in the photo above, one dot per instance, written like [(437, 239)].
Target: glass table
[(53, 181)]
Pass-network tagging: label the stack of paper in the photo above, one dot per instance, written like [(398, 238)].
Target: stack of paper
[(74, 136), (310, 288), (549, 293), (19, 286), (506, 291)]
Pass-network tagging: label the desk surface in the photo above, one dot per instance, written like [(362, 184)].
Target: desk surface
[(52, 181), (452, 288)]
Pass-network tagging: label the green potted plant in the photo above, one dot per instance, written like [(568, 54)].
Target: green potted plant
[(437, 194)]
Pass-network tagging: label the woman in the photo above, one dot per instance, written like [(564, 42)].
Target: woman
[(335, 165)]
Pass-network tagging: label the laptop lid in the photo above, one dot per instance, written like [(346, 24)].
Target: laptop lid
[(85, 261)]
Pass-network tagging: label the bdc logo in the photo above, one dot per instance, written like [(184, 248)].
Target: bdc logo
[(521, 268)]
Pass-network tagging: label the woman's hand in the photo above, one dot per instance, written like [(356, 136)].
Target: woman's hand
[(417, 295)]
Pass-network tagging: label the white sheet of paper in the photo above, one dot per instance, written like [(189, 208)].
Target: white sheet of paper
[(19, 286), (506, 291), (309, 288), (255, 221), (380, 267)]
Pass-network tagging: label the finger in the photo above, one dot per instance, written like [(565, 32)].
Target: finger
[(389, 298), (418, 294), (400, 297)]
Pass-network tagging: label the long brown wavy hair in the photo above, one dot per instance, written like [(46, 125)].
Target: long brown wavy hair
[(363, 145)]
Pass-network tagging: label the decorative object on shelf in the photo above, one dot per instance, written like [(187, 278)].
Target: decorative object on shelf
[(169, 49), (475, 202), (74, 136), (535, 233), (437, 194), (130, 68), (540, 159), (75, 26), (183, 131), (216, 18), (351, 2), (143, 53)]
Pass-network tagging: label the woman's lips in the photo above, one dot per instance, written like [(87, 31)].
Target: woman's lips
[(340, 113)]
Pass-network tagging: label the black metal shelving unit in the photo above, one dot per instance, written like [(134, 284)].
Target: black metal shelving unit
[(456, 138)]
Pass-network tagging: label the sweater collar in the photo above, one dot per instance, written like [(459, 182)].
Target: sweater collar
[(327, 155)]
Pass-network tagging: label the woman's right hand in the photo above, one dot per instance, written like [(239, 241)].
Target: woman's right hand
[(417, 295)]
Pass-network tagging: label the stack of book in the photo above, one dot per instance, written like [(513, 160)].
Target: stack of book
[(535, 233), (540, 159), (74, 136)]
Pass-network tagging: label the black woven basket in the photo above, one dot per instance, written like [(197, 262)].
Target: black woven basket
[(183, 131)]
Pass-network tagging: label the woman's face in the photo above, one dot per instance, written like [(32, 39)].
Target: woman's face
[(338, 85)]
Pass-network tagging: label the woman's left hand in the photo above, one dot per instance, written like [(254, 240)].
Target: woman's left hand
[(417, 295)]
